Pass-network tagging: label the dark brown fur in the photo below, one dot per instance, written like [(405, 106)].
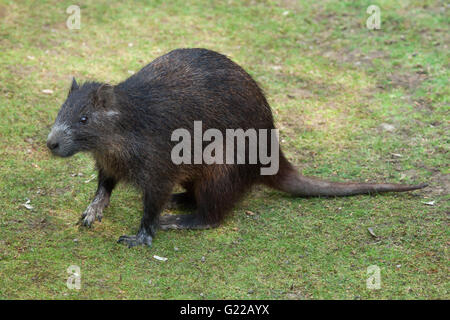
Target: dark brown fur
[(128, 129)]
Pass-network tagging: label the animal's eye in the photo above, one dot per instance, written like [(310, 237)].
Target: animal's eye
[(83, 119)]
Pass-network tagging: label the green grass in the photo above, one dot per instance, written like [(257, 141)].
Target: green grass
[(331, 83)]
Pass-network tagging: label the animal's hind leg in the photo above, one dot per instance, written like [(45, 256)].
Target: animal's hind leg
[(183, 200), (215, 197)]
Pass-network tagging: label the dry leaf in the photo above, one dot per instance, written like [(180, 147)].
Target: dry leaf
[(160, 258), (27, 205), (372, 233)]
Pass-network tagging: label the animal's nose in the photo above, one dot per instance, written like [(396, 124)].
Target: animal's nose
[(52, 145)]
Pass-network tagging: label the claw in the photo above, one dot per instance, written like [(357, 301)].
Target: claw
[(142, 238), (128, 240), (90, 215)]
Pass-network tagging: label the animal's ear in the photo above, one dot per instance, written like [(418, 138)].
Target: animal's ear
[(104, 96), (74, 85)]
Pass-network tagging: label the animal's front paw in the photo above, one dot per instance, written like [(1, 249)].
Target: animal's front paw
[(142, 238), (91, 214)]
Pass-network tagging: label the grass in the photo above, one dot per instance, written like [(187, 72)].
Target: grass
[(332, 84)]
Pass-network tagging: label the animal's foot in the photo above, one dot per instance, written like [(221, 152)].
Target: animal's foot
[(183, 221), (91, 214), (142, 238)]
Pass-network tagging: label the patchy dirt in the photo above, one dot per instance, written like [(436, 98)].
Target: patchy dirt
[(291, 121), (2, 11), (410, 81), (291, 4), (440, 184), (303, 87), (300, 93), (406, 80), (21, 71), (40, 224), (424, 104), (354, 57)]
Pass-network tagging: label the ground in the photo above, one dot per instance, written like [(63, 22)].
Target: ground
[(351, 104)]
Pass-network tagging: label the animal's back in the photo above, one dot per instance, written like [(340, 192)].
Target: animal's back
[(187, 85)]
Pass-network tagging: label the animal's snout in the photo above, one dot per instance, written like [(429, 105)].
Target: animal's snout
[(52, 145), (60, 141), (54, 139)]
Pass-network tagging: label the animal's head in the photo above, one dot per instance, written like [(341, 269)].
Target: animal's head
[(84, 120)]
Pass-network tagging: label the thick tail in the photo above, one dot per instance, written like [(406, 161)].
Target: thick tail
[(289, 180)]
